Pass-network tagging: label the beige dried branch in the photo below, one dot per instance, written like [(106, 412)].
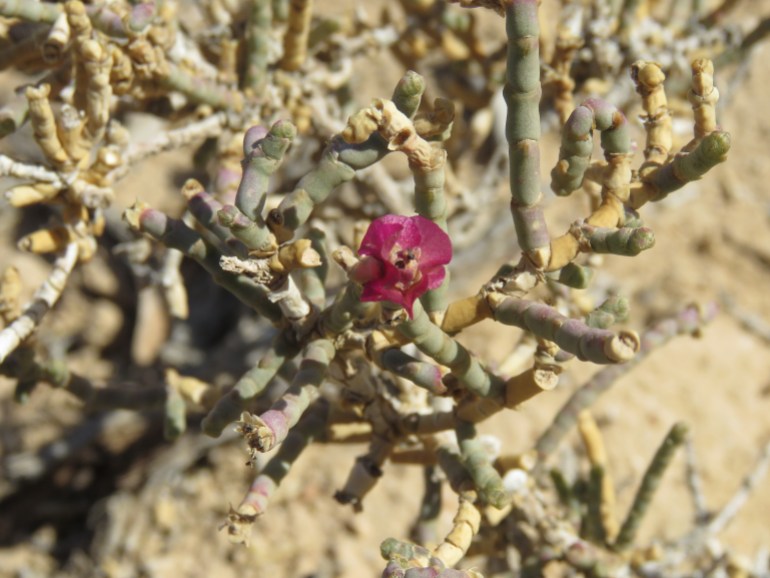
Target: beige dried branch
[(44, 299), (739, 499)]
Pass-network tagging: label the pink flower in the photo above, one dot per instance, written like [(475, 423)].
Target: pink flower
[(403, 257)]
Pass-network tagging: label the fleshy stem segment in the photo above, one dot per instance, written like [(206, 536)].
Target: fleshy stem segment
[(308, 430), (688, 321), (522, 93), (338, 164), (572, 335), (249, 386), (262, 433), (650, 483), (436, 344)]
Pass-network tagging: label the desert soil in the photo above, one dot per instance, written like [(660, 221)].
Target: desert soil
[(126, 505)]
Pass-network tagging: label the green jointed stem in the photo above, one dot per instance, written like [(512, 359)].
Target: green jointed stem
[(612, 311), (260, 23), (627, 241), (201, 91), (404, 551), (522, 128), (271, 427), (346, 308), (575, 276), (102, 19), (572, 335), (486, 478), (565, 492), (408, 93), (249, 386), (339, 163), (420, 373), (711, 151), (261, 158), (688, 321), (430, 202), (615, 137), (650, 483), (175, 414), (243, 228), (429, 199), (594, 527), (436, 344), (105, 398), (204, 207), (312, 280), (631, 218), (309, 429), (455, 471), (577, 142), (428, 423), (176, 235)]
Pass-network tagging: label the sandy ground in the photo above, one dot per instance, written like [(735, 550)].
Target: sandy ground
[(712, 238)]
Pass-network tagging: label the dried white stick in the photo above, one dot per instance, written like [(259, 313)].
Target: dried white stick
[(694, 483), (44, 299), (12, 168), (174, 290), (208, 127), (290, 300), (749, 320), (751, 481), (287, 295)]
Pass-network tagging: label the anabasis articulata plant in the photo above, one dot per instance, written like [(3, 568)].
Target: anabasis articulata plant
[(403, 258), (297, 218)]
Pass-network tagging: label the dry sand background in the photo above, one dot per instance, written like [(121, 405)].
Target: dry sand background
[(712, 238)]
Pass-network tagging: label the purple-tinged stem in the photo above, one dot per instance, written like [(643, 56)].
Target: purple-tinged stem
[(365, 473), (175, 234), (270, 428), (250, 385), (522, 128), (436, 344), (572, 335), (690, 321)]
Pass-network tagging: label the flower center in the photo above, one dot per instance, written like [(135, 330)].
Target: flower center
[(406, 260)]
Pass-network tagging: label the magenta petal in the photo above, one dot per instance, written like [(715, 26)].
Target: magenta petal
[(435, 245), (435, 277), (411, 234), (381, 235), (412, 252), (380, 293)]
